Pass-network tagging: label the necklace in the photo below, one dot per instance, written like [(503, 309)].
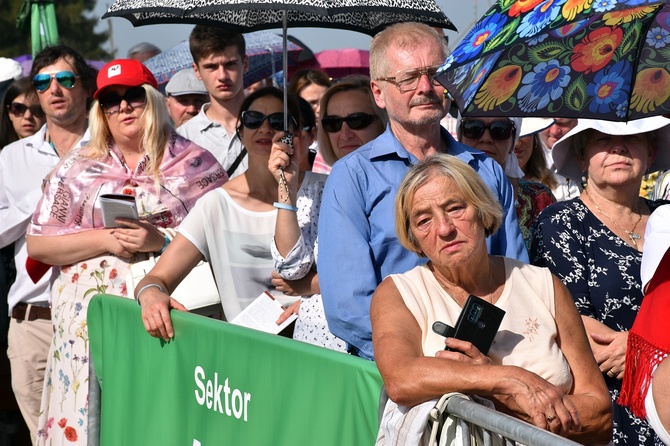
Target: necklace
[(53, 146), (631, 234)]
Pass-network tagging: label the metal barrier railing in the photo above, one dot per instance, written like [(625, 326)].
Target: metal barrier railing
[(494, 422)]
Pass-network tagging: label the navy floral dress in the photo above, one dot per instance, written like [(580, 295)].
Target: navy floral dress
[(602, 272)]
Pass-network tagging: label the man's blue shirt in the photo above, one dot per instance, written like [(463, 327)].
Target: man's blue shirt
[(358, 245)]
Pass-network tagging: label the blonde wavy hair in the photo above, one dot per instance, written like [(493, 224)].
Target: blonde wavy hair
[(155, 133)]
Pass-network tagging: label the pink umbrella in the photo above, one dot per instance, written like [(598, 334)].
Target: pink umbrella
[(345, 61)]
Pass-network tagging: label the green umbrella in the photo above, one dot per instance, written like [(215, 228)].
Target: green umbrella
[(43, 28)]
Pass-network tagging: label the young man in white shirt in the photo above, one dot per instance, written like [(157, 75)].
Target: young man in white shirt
[(220, 61)]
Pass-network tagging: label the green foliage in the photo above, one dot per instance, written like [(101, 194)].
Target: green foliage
[(76, 24)]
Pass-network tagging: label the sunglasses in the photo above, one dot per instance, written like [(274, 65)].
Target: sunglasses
[(499, 130), (253, 120), (355, 121), (111, 102), (65, 79), (18, 109)]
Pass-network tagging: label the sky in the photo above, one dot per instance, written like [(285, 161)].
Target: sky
[(461, 12)]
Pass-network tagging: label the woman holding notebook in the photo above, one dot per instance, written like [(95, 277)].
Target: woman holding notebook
[(133, 151)]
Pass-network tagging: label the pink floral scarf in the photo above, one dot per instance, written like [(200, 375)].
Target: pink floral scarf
[(71, 203)]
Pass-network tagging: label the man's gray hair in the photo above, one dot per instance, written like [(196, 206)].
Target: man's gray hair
[(143, 47)]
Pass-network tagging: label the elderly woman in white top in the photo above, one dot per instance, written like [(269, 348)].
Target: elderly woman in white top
[(539, 367)]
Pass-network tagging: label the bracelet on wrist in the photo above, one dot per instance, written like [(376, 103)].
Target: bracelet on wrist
[(165, 245), (149, 285), (286, 207)]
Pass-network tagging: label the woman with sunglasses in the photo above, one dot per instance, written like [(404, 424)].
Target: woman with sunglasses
[(21, 114), (133, 151), (497, 137), (232, 226), (350, 119)]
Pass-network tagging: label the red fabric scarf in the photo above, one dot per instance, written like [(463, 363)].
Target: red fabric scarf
[(648, 341)]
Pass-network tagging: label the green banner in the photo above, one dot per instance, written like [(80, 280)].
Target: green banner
[(217, 383)]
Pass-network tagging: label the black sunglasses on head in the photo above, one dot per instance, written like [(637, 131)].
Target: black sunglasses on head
[(355, 121), (111, 102), (499, 130), (253, 119)]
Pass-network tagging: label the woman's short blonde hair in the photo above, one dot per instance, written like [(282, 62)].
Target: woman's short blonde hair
[(354, 82), (156, 127), (464, 179)]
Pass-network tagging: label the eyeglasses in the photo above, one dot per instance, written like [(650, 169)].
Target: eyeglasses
[(499, 130), (111, 102), (253, 120), (65, 79), (355, 121), (18, 109), (408, 80)]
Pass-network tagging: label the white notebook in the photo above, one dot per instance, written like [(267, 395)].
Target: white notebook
[(115, 206), (262, 314)]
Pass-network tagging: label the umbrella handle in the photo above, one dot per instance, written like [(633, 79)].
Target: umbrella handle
[(288, 140), (285, 66)]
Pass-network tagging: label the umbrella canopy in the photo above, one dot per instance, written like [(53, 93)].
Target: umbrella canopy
[(575, 59), (343, 62), (264, 50), (43, 28), (366, 16)]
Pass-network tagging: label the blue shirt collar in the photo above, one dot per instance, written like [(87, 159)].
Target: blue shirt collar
[(387, 144)]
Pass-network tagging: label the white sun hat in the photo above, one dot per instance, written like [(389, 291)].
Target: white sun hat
[(531, 126), (565, 156), (10, 69)]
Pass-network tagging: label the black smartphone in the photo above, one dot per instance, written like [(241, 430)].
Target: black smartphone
[(478, 323)]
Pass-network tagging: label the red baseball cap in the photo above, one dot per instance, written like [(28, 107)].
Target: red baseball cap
[(126, 72)]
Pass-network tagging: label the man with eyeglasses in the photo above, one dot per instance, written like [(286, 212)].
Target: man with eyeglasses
[(220, 61), (357, 238), (64, 82)]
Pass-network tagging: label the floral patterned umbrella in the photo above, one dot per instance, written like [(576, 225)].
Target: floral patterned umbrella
[(599, 59)]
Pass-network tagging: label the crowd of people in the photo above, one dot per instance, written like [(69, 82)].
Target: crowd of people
[(354, 199)]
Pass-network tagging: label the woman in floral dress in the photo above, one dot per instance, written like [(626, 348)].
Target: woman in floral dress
[(594, 243), (133, 151)]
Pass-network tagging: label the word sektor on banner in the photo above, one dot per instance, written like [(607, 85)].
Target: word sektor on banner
[(209, 395)]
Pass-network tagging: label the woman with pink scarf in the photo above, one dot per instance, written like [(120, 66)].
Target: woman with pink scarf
[(134, 151)]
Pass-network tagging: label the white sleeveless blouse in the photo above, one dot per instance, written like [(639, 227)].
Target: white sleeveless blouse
[(527, 336)]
